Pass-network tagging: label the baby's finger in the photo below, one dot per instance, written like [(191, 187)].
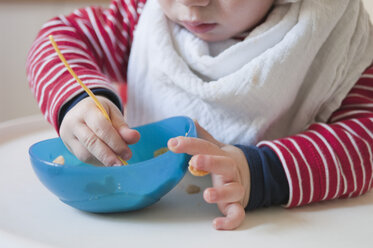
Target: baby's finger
[(203, 134), (104, 130), (234, 216), (193, 146), (97, 147), (130, 136), (230, 192), (82, 153), (220, 165)]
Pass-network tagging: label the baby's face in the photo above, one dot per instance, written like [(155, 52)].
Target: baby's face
[(216, 20)]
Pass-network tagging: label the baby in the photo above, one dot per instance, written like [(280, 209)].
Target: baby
[(278, 86)]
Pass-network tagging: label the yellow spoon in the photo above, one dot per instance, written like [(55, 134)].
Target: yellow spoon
[(89, 92)]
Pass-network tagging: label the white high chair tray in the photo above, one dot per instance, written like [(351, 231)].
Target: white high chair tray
[(31, 216)]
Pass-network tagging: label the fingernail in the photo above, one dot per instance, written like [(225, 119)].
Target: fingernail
[(127, 156), (212, 195), (116, 165), (174, 142), (218, 224)]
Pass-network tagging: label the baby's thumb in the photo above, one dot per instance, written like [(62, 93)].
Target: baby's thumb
[(130, 136), (204, 134)]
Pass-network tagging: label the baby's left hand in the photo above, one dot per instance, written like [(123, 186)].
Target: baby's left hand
[(229, 171)]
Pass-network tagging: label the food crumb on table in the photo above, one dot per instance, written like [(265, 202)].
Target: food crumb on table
[(193, 189)]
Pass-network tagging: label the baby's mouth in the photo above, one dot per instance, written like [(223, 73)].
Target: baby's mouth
[(198, 27)]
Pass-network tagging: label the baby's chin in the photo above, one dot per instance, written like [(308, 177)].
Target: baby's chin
[(214, 37)]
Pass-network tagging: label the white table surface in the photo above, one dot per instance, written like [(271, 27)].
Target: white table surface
[(31, 216)]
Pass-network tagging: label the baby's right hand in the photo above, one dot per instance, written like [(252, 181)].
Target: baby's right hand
[(94, 139)]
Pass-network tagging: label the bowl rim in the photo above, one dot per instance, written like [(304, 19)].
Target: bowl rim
[(163, 156)]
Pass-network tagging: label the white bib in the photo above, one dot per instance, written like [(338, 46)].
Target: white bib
[(292, 70)]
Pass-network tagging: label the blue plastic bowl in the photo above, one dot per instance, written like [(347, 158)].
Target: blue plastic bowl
[(114, 189)]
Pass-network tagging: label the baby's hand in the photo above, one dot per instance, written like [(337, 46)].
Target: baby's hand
[(230, 174), (94, 139)]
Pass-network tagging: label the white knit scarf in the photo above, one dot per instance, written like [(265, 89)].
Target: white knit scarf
[(292, 70)]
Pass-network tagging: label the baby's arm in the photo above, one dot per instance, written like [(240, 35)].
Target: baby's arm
[(95, 41), (332, 160)]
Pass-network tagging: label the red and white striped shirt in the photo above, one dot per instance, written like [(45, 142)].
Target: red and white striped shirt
[(327, 161), (335, 159)]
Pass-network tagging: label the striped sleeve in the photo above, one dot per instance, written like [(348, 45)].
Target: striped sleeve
[(96, 43), (335, 159)]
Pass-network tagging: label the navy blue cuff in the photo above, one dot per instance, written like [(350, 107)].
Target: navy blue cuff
[(269, 185), (97, 91)]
